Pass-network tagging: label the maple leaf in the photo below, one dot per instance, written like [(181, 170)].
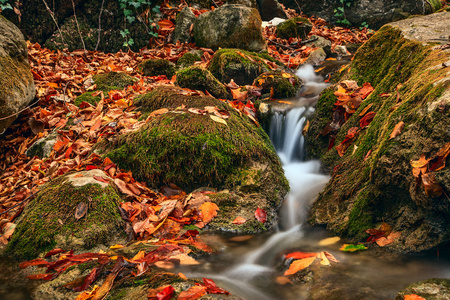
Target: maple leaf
[(209, 211), (261, 215)]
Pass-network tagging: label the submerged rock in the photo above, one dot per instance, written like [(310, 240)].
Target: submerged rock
[(16, 81), (195, 150), (230, 26), (49, 221), (373, 182)]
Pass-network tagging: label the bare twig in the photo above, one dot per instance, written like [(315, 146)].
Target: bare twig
[(78, 27), (56, 23), (15, 114), (14, 206), (99, 25)]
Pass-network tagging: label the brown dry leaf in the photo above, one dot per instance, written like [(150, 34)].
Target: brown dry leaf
[(209, 211), (306, 128), (431, 185), (123, 187), (397, 130), (363, 112), (282, 280), (192, 293), (298, 265), (330, 257), (239, 220), (349, 84), (81, 210), (158, 112), (383, 241)]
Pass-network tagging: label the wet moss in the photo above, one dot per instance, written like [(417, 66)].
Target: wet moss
[(198, 78), (294, 27), (113, 81), (155, 67), (49, 219), (279, 84), (188, 59)]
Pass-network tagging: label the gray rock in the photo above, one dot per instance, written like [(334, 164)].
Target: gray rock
[(430, 289), (316, 57), (230, 26), (16, 81), (183, 24), (42, 147), (320, 42), (248, 3)]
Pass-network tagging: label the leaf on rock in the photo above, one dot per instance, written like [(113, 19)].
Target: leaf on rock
[(383, 241), (413, 297), (192, 293), (261, 215), (298, 265), (367, 119), (239, 220), (209, 211), (212, 288), (431, 185), (161, 293), (437, 163), (397, 130), (217, 119), (81, 210), (352, 248), (123, 187)]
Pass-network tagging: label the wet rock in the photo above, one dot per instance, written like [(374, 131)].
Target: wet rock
[(185, 19), (230, 26), (316, 57), (16, 81), (320, 42), (49, 220), (296, 27), (430, 289), (279, 84), (373, 181), (198, 78), (192, 151)]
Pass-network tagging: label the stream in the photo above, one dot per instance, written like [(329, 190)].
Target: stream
[(249, 267)]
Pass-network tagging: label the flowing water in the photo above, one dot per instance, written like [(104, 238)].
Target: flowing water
[(249, 268)]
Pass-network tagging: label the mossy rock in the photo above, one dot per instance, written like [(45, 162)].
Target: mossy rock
[(42, 147), (198, 78), (155, 67), (240, 65), (374, 183), (284, 85), (188, 59), (296, 27), (430, 289), (49, 220)]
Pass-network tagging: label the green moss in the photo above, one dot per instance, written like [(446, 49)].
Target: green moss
[(276, 80), (294, 27), (198, 78), (361, 216), (50, 217), (113, 81), (155, 67), (87, 97), (188, 59)]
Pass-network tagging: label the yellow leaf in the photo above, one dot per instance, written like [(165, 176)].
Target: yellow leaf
[(287, 75), (217, 119), (324, 260), (299, 265), (116, 246), (329, 241), (209, 211)]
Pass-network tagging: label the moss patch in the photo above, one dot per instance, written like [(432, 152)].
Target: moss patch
[(87, 97), (49, 219), (155, 67), (188, 59), (294, 27), (113, 81), (283, 85), (198, 78)]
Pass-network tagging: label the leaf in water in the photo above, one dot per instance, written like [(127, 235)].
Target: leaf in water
[(298, 265), (330, 257), (239, 220), (352, 248), (261, 215), (217, 119), (323, 259), (329, 241), (301, 255), (282, 280), (192, 293), (397, 130), (81, 210), (209, 211), (413, 297)]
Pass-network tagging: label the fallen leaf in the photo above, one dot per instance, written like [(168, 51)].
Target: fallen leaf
[(301, 255), (261, 215), (413, 297), (329, 241), (192, 293), (367, 119), (217, 119), (81, 210), (383, 241), (431, 185), (282, 280), (239, 220), (352, 248), (397, 130), (161, 293), (298, 265), (209, 211)]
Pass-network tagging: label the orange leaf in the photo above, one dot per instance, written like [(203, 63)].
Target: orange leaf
[(209, 211), (192, 293), (413, 297), (53, 85), (299, 265), (239, 220), (165, 24), (397, 130), (301, 255)]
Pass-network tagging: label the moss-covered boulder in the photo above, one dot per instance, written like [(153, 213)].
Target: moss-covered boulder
[(105, 82), (230, 26), (199, 78), (279, 84), (373, 181), (183, 22), (188, 59), (196, 150), (49, 221), (240, 65), (155, 67), (430, 289), (16, 81), (296, 27)]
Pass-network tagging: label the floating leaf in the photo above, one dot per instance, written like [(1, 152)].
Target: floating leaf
[(329, 241), (217, 119), (352, 248), (298, 265), (261, 215)]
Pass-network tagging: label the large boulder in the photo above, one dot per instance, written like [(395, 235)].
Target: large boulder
[(230, 26), (54, 219), (193, 148), (377, 178), (296, 28), (16, 81), (269, 9), (374, 13), (183, 23)]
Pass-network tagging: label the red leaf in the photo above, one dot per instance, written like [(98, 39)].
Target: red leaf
[(101, 179), (89, 280), (41, 276), (53, 252), (261, 215), (35, 262), (192, 293), (212, 288), (91, 167), (165, 294), (367, 119), (301, 255)]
